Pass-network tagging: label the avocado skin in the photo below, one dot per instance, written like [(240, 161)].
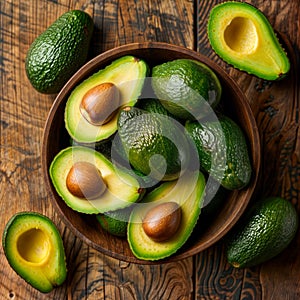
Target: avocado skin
[(153, 105), (222, 150), (144, 134), (56, 54), (35, 281), (261, 234), (187, 88)]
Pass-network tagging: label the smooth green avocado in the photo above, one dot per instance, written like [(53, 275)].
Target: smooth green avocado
[(127, 74), (57, 53), (263, 232), (187, 192), (187, 88), (222, 150), (34, 249), (243, 37), (120, 188)]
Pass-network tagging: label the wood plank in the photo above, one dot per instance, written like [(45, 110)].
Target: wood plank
[(92, 275), (276, 108)]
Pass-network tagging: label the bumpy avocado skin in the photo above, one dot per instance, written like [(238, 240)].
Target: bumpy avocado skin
[(187, 88), (57, 53), (222, 150), (147, 137), (263, 232)]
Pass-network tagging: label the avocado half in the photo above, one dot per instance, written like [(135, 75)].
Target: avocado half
[(127, 74), (243, 37), (34, 249), (122, 188), (187, 191)]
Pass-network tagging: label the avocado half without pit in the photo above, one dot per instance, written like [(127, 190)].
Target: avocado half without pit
[(34, 249), (243, 37)]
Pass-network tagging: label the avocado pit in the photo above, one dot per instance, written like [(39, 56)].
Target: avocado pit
[(162, 221), (100, 103), (84, 180)]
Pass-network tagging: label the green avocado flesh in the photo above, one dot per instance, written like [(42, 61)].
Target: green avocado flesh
[(56, 54), (127, 74), (267, 229), (34, 249), (188, 193), (188, 89), (242, 36), (122, 189)]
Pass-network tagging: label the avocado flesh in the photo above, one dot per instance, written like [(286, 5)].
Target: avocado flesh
[(243, 37), (56, 54), (34, 249), (122, 189), (127, 74), (187, 191)]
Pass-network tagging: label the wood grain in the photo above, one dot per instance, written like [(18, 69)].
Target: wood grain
[(23, 113), (276, 109)]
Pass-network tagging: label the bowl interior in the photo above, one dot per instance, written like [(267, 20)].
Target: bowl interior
[(207, 231)]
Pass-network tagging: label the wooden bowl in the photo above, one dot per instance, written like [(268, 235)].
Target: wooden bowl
[(56, 138)]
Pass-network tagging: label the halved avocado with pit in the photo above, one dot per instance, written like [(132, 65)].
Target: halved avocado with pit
[(34, 249), (187, 193), (243, 37), (121, 189), (127, 75)]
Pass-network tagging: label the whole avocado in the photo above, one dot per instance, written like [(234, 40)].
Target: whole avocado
[(263, 232), (57, 53)]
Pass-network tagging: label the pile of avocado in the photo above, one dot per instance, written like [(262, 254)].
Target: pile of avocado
[(142, 163), (144, 141)]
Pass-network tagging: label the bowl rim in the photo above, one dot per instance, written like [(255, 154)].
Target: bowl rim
[(61, 96)]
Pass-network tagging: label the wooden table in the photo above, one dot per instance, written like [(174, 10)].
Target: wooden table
[(93, 275)]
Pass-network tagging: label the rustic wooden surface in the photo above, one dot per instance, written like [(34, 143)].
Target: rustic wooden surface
[(93, 275)]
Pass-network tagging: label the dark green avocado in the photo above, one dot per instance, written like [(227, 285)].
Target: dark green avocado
[(57, 53), (262, 233), (222, 150), (34, 249), (154, 143), (187, 88)]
